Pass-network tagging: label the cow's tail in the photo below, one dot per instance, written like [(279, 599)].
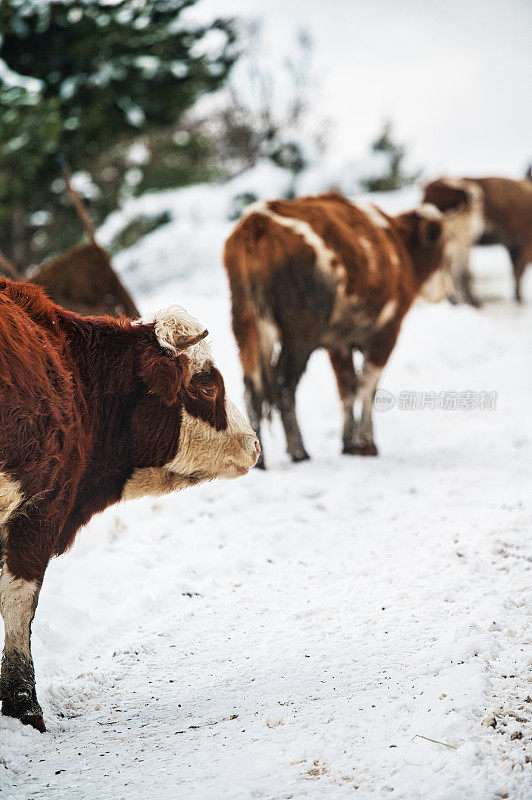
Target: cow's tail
[(256, 333)]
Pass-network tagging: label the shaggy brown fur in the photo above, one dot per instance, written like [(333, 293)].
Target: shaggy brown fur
[(83, 280)]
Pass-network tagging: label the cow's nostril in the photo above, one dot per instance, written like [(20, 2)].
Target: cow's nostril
[(257, 446)]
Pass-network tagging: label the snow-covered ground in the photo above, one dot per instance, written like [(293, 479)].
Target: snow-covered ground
[(341, 627)]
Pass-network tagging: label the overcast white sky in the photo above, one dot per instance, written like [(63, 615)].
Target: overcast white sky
[(454, 75)]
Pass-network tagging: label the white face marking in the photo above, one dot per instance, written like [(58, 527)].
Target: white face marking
[(10, 496), (206, 451), (203, 452), (463, 227), (475, 210), (437, 287), (203, 455), (17, 606)]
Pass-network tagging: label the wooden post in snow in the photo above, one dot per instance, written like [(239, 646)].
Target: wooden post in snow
[(78, 204)]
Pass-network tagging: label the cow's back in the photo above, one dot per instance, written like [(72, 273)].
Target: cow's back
[(507, 206), (317, 269), (347, 244)]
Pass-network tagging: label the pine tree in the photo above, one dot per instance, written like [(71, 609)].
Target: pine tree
[(394, 177), (85, 80)]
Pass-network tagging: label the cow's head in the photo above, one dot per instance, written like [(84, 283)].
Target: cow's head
[(198, 433), (424, 234), (462, 203)]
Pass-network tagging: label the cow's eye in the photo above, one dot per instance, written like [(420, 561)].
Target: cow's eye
[(208, 391)]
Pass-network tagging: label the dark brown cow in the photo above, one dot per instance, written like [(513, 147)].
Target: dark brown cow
[(324, 272), (487, 211), (94, 410), (82, 280)]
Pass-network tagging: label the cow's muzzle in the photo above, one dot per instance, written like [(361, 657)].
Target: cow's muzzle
[(246, 459)]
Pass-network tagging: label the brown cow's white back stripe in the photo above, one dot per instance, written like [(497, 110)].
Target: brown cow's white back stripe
[(326, 259), (375, 216)]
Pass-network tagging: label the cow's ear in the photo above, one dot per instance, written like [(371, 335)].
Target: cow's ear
[(163, 374), (430, 232)]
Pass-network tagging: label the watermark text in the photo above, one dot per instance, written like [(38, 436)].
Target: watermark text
[(408, 400)]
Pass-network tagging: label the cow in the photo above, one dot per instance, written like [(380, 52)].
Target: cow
[(82, 280), (94, 410), (487, 211), (322, 271)]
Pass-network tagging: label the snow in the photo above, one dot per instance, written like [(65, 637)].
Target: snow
[(451, 75), (308, 631)]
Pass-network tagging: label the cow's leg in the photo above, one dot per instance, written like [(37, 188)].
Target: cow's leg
[(466, 281), (289, 370), (346, 378), (26, 552), (253, 397), (520, 256), (364, 442), (375, 358), (18, 601), (462, 279)]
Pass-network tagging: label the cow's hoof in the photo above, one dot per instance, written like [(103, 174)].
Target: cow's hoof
[(349, 450), (25, 708), (300, 455), (365, 450)]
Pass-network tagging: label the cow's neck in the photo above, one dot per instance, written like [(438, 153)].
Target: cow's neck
[(104, 353)]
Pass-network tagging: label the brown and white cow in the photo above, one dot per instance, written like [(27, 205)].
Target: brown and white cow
[(324, 272), (94, 410), (484, 211)]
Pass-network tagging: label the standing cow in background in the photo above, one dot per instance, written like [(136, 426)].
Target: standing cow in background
[(94, 410), (485, 211), (464, 222), (83, 280), (324, 272)]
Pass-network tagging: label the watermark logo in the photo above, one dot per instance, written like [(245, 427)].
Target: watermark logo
[(384, 400), (407, 400)]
